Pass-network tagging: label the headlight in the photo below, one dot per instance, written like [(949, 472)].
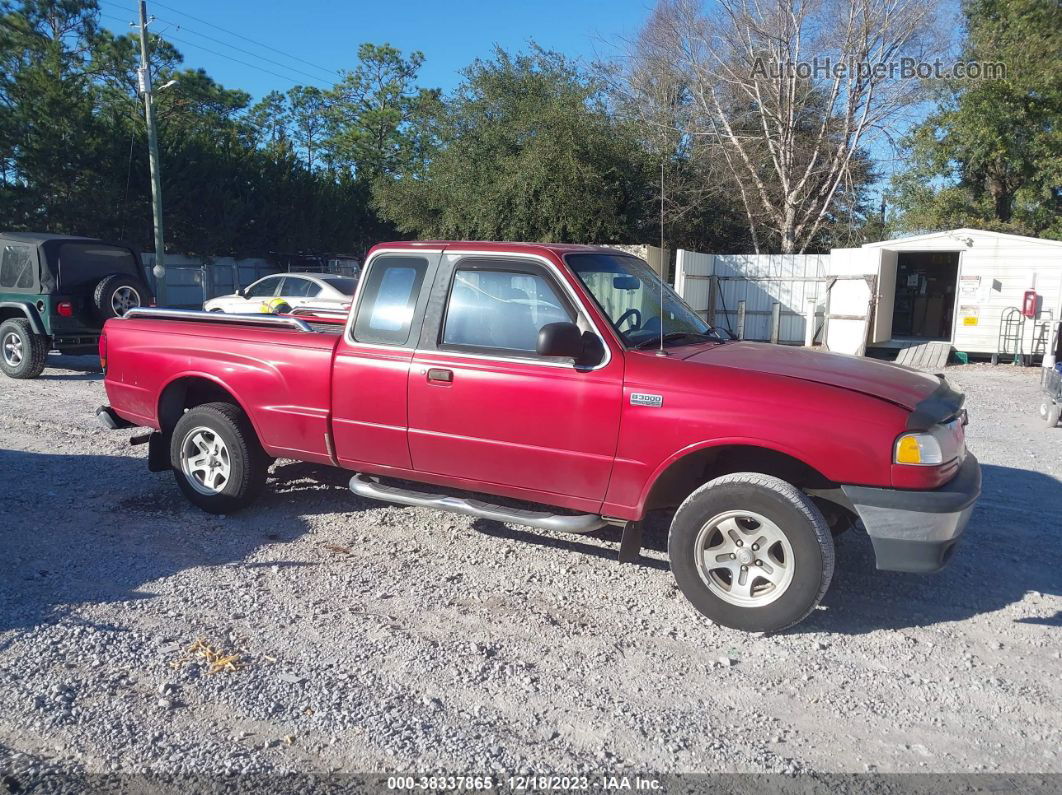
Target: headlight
[(918, 448), (931, 448)]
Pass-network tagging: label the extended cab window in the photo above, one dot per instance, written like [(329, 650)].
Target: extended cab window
[(17, 267), (501, 309), (388, 300)]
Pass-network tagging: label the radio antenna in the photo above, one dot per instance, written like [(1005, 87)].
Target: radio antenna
[(660, 259)]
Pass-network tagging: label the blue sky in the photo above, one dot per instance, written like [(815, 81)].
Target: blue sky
[(326, 34)]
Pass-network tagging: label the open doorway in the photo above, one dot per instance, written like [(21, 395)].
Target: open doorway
[(925, 294)]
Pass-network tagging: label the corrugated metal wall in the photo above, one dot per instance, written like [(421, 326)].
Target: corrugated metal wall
[(191, 280), (759, 280)]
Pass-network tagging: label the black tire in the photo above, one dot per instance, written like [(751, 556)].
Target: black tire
[(116, 294), (247, 462), (22, 352), (793, 515)]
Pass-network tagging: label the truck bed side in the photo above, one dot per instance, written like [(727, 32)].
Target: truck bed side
[(281, 378)]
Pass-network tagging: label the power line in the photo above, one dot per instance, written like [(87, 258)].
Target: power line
[(241, 49), (292, 69), (245, 38), (239, 61), (286, 77)]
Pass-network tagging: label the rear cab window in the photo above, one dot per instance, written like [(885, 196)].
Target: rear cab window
[(389, 298)]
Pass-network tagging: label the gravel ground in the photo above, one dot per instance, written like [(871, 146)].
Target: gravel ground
[(372, 637)]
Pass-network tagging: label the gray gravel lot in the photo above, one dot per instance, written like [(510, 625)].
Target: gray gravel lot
[(373, 637)]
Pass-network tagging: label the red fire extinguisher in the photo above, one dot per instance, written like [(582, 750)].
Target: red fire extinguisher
[(1031, 304)]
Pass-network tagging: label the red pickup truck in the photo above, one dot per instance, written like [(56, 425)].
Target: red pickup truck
[(571, 378)]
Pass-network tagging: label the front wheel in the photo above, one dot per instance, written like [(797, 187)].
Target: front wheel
[(751, 552), (216, 458)]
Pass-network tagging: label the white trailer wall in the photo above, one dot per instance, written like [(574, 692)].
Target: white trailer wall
[(995, 270)]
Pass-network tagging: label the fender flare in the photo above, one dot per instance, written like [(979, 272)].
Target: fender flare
[(30, 312), (205, 377), (706, 444)]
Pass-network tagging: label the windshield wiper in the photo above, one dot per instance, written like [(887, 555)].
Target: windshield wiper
[(671, 337)]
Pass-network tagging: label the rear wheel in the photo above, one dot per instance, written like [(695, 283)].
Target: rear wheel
[(216, 458), (22, 353), (751, 552)]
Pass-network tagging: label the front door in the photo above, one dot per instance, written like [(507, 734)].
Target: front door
[(485, 407)]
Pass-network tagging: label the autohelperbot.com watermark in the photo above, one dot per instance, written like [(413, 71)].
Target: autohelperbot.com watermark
[(826, 67)]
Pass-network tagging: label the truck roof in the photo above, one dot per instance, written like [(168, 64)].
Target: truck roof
[(484, 245)]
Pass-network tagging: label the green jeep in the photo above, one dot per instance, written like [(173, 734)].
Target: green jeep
[(56, 292)]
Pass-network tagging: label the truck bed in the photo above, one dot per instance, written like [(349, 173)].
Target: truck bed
[(283, 366)]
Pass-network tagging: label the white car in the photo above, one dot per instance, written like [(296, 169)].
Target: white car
[(320, 290)]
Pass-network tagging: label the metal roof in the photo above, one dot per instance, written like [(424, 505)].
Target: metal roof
[(957, 234)]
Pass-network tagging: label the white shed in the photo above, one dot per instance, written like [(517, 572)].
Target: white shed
[(955, 286)]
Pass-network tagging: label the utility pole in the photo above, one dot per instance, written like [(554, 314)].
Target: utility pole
[(144, 82)]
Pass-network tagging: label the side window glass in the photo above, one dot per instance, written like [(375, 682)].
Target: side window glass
[(388, 300), (264, 289), (501, 310), (295, 287), (16, 267)]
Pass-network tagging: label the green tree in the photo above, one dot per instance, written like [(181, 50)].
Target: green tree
[(991, 154), (308, 106), (51, 142), (527, 151), (374, 113)]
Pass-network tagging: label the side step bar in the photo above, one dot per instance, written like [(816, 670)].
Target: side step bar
[(582, 523)]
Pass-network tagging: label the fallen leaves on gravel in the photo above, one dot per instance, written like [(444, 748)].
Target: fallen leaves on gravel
[(215, 659), (337, 549)]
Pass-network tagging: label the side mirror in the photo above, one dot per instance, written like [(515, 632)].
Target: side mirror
[(560, 339), (565, 339), (239, 292)]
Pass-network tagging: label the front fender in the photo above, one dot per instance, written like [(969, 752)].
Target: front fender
[(743, 441)]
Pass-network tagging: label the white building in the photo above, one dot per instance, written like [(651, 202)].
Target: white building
[(952, 286)]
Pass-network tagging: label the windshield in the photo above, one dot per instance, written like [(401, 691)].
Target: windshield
[(628, 291), (341, 283)]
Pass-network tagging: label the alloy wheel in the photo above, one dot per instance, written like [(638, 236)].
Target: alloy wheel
[(13, 353), (744, 558), (205, 461), (124, 299)]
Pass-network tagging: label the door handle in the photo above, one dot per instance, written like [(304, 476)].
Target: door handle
[(437, 375)]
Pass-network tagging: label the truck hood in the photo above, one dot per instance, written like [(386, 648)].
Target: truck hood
[(900, 385)]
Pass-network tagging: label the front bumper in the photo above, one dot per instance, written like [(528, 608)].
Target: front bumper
[(917, 530)]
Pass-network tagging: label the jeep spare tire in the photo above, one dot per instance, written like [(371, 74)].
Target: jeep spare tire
[(117, 294)]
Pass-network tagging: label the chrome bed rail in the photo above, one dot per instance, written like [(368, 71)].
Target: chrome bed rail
[(199, 316)]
